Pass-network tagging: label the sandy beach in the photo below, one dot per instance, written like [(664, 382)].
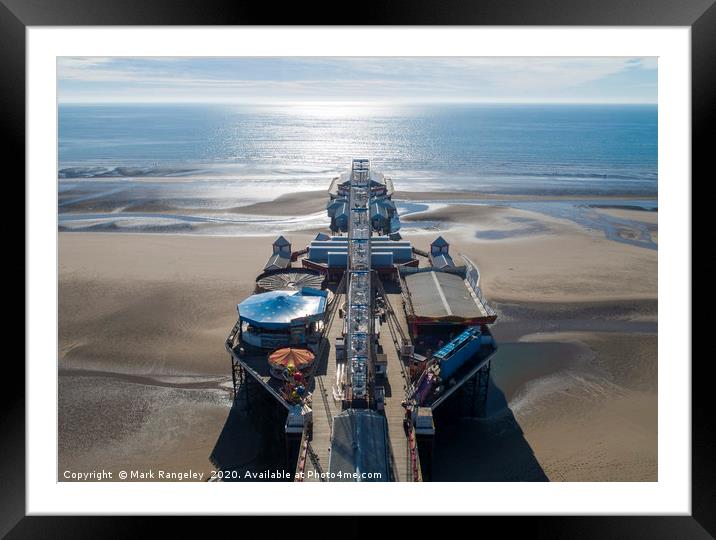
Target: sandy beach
[(144, 376)]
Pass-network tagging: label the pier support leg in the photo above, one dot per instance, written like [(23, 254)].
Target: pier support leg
[(468, 397), (234, 377), (483, 383), (472, 399), (241, 383), (246, 384)]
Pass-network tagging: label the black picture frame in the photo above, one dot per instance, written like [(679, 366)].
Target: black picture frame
[(699, 15)]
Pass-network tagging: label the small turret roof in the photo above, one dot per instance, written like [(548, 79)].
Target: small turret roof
[(281, 241), (440, 242)]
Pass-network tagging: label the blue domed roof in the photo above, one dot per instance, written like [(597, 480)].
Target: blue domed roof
[(275, 309)]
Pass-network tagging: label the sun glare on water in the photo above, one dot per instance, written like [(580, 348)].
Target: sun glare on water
[(339, 109)]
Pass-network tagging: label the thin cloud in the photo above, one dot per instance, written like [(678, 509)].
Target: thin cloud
[(400, 79)]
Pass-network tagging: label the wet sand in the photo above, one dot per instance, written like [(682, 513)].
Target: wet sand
[(479, 195), (144, 376), (289, 204), (531, 257), (629, 214)]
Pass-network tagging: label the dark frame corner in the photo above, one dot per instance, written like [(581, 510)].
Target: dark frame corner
[(700, 15)]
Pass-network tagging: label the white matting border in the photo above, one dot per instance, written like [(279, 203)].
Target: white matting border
[(671, 494)]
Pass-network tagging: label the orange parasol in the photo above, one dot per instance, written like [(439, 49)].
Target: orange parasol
[(298, 358)]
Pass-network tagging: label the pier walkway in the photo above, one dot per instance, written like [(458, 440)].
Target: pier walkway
[(394, 395), (324, 406)]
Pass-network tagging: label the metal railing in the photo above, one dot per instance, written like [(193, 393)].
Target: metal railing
[(472, 278)]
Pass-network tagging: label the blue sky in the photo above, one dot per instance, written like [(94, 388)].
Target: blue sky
[(373, 79)]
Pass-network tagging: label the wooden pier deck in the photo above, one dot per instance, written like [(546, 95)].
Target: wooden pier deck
[(325, 407), (394, 395)]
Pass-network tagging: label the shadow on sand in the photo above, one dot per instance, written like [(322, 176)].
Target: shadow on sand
[(251, 441), (490, 449)]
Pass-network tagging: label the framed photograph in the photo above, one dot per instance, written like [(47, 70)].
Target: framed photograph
[(409, 266)]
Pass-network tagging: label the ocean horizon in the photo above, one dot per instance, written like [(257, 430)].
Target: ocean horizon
[(185, 159)]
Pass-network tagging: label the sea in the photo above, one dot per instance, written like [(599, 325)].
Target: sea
[(189, 168)]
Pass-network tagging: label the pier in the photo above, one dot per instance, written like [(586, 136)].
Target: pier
[(389, 333)]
